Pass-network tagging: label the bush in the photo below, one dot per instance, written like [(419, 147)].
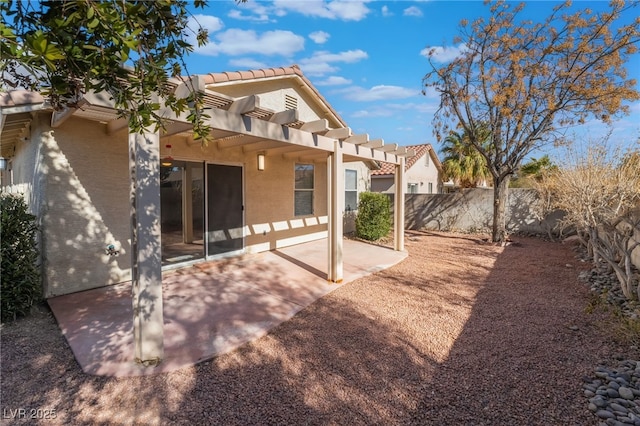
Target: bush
[(374, 216), (20, 278)]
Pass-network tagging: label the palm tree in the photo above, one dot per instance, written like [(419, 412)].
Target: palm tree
[(533, 172), (462, 162)]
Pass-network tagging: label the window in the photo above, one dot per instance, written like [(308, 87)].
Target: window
[(426, 162), (303, 193), (430, 187), (350, 190), (412, 188)]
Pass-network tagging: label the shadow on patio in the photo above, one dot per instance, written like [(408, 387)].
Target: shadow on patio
[(209, 308)]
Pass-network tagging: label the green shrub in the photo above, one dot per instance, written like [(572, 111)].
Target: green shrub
[(19, 278), (374, 216)]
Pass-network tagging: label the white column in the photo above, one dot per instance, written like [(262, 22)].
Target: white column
[(335, 190), (398, 211), (146, 264)]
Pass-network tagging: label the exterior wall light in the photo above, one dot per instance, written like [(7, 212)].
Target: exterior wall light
[(168, 160), (261, 161)]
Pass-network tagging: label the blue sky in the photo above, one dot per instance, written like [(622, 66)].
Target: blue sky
[(365, 57)]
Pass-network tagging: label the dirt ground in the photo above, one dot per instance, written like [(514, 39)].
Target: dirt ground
[(460, 333)]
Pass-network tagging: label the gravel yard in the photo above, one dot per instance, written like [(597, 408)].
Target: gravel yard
[(461, 332)]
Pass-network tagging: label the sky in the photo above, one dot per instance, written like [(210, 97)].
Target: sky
[(367, 58)]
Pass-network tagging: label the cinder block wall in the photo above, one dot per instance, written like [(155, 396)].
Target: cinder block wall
[(472, 210)]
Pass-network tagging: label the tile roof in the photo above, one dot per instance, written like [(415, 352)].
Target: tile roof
[(420, 150), (293, 70)]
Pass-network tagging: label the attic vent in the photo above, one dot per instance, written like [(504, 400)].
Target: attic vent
[(290, 102)]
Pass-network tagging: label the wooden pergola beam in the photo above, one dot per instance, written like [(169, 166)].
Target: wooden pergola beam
[(245, 105), (285, 117), (358, 139), (374, 143), (388, 148), (341, 134), (315, 127)]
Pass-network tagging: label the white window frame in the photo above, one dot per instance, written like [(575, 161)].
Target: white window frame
[(297, 190), (350, 190)]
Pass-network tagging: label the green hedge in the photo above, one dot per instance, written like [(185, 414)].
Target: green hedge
[(374, 216), (20, 285)]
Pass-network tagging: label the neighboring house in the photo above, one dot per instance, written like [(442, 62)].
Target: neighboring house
[(423, 173), (280, 171)]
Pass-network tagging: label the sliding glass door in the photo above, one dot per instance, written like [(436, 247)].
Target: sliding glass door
[(190, 231), (225, 215), (182, 211)]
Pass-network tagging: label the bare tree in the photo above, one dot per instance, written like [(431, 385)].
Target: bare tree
[(526, 80), (599, 191)]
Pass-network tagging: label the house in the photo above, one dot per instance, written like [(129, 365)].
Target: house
[(423, 173), (115, 206)]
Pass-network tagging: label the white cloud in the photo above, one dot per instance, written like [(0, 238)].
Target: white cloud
[(242, 42), (319, 37), (348, 56), (256, 17), (392, 109), (385, 11), (248, 64), (346, 10), (377, 93), (444, 54), (210, 23), (412, 11), (320, 63), (256, 12), (316, 68), (334, 81)]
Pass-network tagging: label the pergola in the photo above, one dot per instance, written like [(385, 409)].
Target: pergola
[(235, 122)]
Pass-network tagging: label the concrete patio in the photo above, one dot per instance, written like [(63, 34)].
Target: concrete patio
[(210, 308)]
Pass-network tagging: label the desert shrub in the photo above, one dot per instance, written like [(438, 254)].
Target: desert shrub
[(374, 216), (20, 278)]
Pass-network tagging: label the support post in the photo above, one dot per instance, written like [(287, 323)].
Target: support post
[(187, 204), (335, 180), (398, 211), (146, 266)]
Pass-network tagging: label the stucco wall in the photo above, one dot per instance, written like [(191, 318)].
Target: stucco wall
[(422, 174), (383, 184), (86, 186), (82, 180), (23, 178), (272, 96), (269, 219), (419, 174), (363, 184), (76, 179)]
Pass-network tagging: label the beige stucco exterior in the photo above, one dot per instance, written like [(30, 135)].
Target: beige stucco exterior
[(421, 176), (76, 180), (101, 191), (273, 95), (83, 199)]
